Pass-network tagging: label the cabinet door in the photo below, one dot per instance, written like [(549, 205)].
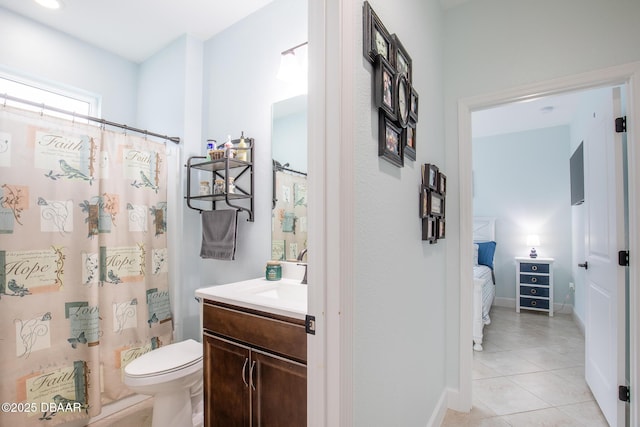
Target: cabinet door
[(278, 392), (226, 384)]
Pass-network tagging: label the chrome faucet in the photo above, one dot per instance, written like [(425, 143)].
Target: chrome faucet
[(300, 256)]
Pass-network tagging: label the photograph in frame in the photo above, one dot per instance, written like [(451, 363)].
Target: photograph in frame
[(429, 231), (376, 38), (442, 183), (413, 106), (390, 140), (385, 90), (409, 142), (402, 60)]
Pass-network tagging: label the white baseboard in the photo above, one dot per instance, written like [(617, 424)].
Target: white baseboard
[(437, 416), (505, 302), (579, 322), (119, 405)]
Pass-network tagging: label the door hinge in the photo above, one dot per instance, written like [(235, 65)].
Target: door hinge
[(310, 324), (621, 124), (623, 258), (624, 393)]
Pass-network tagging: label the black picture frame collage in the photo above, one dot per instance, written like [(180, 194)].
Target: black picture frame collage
[(394, 95), (433, 193)]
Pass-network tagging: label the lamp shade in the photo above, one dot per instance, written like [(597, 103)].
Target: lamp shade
[(533, 240)]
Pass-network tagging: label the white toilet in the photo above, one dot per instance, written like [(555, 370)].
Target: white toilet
[(172, 374)]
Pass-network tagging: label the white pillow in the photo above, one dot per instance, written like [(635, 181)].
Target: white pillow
[(475, 253)]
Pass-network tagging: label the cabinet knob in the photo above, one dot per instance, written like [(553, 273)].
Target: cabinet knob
[(534, 303), (534, 268), (534, 291), (534, 280)]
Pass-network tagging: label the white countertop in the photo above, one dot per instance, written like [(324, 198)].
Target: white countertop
[(286, 297)]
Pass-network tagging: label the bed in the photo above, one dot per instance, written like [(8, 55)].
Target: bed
[(483, 276)]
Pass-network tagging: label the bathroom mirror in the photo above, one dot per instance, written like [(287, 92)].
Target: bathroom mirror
[(289, 163)]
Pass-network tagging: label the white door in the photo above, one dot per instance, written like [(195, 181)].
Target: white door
[(605, 299)]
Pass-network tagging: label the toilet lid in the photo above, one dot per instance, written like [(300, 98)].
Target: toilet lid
[(168, 358)]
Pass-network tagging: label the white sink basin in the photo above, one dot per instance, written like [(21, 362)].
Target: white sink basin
[(284, 291), (286, 297)]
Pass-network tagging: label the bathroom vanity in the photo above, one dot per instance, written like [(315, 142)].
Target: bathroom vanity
[(255, 353)]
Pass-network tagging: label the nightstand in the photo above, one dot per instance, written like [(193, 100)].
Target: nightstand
[(534, 284)]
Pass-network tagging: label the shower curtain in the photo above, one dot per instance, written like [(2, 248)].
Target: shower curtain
[(83, 264)]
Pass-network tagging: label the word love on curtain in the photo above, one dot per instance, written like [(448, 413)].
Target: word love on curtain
[(83, 265)]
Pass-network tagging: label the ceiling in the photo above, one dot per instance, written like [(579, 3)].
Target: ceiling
[(136, 29), (555, 110)]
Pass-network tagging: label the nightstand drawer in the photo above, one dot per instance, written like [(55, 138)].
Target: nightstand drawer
[(534, 303), (534, 291), (534, 279), (527, 267)]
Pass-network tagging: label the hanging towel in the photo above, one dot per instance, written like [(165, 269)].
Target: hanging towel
[(219, 228)]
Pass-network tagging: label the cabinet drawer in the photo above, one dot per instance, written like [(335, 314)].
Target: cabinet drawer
[(534, 303), (527, 267), (277, 336), (534, 279), (535, 291)]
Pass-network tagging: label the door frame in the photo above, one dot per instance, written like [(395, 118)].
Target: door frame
[(628, 74)]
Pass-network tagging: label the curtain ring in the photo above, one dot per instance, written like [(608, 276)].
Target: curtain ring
[(5, 100), (125, 129), (42, 110), (73, 118)]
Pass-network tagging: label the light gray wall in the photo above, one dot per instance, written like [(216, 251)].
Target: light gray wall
[(400, 283), (522, 180), (492, 45), (170, 102), (35, 51), (240, 85)]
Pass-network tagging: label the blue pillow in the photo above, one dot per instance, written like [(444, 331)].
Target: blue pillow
[(486, 250)]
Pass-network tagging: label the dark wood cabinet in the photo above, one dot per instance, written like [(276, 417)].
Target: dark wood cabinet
[(255, 370)]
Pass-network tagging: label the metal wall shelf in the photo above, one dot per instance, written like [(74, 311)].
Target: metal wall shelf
[(241, 171)]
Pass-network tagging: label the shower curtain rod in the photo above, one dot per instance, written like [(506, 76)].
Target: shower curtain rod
[(104, 122)]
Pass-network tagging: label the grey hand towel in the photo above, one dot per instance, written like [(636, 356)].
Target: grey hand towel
[(219, 229)]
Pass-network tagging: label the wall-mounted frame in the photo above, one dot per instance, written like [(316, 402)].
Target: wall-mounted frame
[(389, 140), (413, 107), (430, 176), (385, 92), (435, 204), (424, 202), (401, 58), (409, 142), (429, 230), (441, 227), (377, 40), (403, 99), (442, 183)]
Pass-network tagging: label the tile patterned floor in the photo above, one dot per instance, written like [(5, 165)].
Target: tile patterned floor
[(530, 374)]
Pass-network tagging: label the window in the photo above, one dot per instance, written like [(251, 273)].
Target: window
[(49, 95)]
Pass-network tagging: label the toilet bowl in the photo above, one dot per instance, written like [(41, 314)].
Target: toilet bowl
[(172, 374)]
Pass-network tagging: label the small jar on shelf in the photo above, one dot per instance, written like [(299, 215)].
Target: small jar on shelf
[(231, 184), (205, 188), (218, 187)]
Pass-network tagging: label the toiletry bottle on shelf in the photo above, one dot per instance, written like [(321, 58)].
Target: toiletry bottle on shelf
[(243, 149), (211, 145), (228, 147)]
